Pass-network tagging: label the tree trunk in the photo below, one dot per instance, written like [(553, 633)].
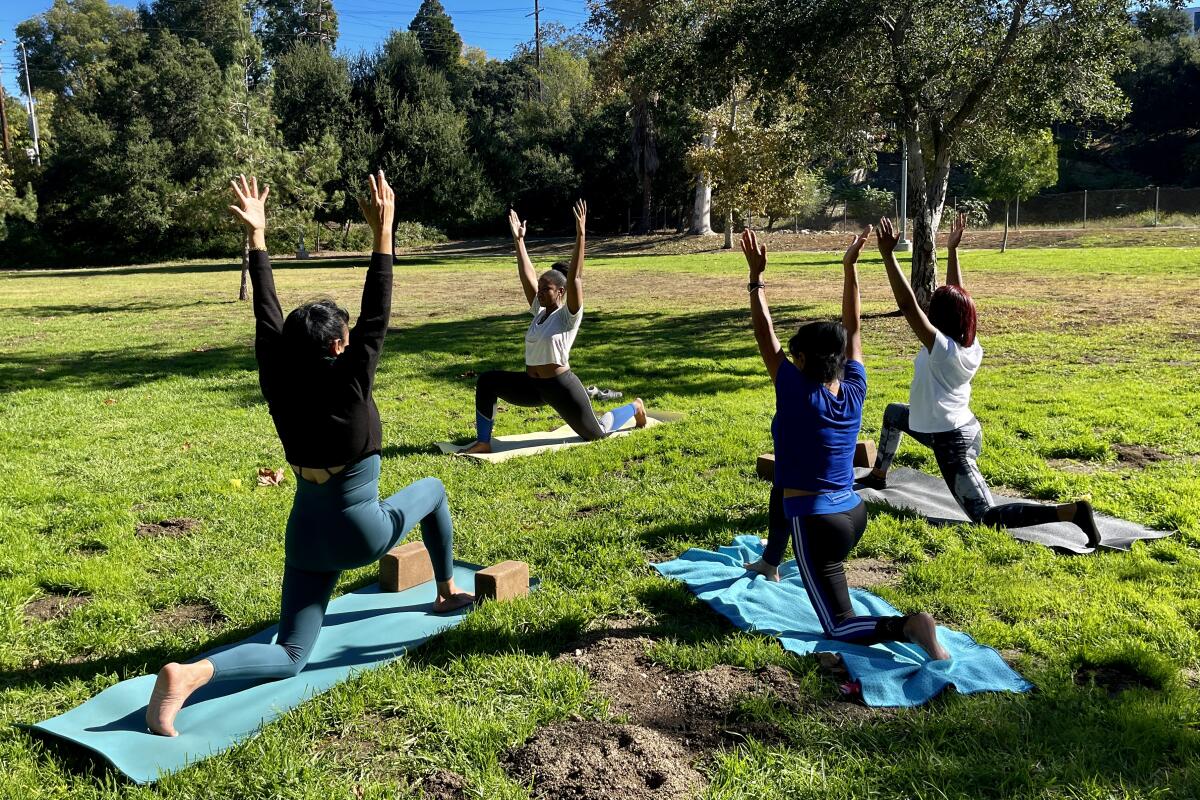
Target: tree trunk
[(927, 189), (1004, 241), (244, 292), (647, 223), (702, 209), (728, 230)]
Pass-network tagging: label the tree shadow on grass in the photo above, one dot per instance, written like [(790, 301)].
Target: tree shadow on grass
[(233, 267)]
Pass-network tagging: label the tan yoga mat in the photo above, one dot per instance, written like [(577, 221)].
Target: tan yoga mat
[(528, 444)]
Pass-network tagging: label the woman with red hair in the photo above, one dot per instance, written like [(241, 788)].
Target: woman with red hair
[(938, 412)]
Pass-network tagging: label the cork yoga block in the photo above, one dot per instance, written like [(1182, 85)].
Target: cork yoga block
[(766, 466), (404, 567), (864, 454), (503, 581)]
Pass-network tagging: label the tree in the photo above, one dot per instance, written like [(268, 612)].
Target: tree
[(19, 206), (284, 24), (434, 29), (221, 26), (959, 76), (1018, 171), (71, 44)]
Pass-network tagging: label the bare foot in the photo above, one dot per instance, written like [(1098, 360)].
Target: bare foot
[(452, 602), (639, 412), (174, 685), (478, 447), (768, 571), (921, 629)]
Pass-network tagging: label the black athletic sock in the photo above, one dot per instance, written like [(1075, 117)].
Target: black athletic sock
[(873, 481), (1087, 522)]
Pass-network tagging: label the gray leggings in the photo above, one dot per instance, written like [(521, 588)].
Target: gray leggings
[(957, 453)]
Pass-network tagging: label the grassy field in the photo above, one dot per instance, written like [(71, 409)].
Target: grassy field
[(129, 396)]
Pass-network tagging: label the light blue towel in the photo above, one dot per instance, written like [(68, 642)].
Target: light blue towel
[(894, 674), (363, 629)]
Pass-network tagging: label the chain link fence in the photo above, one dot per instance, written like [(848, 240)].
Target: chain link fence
[(1151, 207)]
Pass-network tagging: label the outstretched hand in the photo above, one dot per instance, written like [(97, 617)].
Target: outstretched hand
[(886, 237), (855, 248), (251, 205), (756, 254), (580, 211), (957, 226), (516, 225), (379, 208)]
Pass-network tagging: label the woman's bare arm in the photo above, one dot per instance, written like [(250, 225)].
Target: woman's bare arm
[(885, 237)]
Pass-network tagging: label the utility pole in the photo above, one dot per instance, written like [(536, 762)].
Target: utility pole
[(321, 14), (3, 109), (904, 245), (33, 126), (537, 44)]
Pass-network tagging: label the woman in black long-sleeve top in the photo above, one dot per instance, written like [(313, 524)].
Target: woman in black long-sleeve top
[(317, 375)]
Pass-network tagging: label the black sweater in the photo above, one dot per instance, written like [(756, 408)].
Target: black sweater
[(323, 410)]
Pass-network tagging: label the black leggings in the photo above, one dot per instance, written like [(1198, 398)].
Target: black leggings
[(822, 542), (564, 393), (957, 453)]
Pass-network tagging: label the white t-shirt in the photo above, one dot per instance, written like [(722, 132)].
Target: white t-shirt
[(940, 396), (549, 341)]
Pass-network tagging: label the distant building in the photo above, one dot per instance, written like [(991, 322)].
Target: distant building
[(1194, 15)]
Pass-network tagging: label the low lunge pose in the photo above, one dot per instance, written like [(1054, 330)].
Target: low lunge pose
[(818, 412), (556, 303), (316, 375), (938, 412)]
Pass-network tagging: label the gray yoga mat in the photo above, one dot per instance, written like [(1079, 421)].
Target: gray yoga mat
[(929, 497)]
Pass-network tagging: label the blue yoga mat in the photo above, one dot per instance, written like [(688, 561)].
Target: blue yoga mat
[(363, 630), (893, 674)]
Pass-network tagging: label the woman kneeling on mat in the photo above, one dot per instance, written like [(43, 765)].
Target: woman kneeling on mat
[(316, 375), (556, 303), (818, 413), (938, 412)]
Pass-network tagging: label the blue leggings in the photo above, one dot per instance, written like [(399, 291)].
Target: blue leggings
[(337, 525)]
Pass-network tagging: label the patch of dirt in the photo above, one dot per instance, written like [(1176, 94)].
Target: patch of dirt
[(443, 785), (1113, 678), (1192, 677), (1139, 455), (696, 706), (197, 612), (585, 511), (170, 528), (54, 605), (1071, 465), (600, 760), (92, 548), (862, 573)]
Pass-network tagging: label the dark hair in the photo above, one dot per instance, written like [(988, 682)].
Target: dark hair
[(557, 275), (952, 311), (310, 328), (561, 266), (823, 345)]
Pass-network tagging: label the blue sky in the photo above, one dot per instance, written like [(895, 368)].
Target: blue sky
[(497, 26)]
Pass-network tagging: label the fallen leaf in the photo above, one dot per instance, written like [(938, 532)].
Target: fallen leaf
[(469, 374), (200, 349), (39, 369), (108, 401), (269, 477), (187, 446), (236, 483)]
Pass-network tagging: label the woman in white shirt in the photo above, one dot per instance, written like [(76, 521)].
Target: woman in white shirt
[(556, 302), (938, 414)]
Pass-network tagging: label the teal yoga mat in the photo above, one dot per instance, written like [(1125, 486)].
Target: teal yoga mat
[(363, 630)]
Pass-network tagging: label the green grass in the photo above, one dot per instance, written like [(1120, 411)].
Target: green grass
[(130, 395)]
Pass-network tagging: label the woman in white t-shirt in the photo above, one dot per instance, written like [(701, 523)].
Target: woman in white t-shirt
[(938, 413), (556, 303)]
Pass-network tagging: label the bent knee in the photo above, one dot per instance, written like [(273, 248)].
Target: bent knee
[(895, 413)]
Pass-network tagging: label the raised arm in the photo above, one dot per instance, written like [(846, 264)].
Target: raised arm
[(851, 303), (760, 315), (251, 211), (366, 339), (575, 271), (885, 237), (525, 269), (953, 273)]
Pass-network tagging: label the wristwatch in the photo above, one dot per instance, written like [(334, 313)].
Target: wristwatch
[(753, 285)]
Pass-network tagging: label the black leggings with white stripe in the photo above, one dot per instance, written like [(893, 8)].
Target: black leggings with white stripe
[(822, 542)]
